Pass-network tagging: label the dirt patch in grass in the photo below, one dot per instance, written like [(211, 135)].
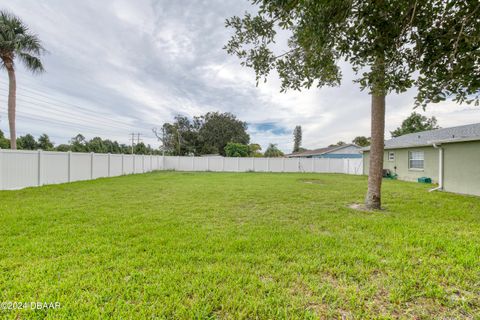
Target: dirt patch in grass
[(312, 181), (362, 207), (358, 206)]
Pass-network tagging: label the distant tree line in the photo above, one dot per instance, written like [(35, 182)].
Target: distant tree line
[(77, 144)]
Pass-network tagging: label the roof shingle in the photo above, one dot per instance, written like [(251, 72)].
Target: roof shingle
[(424, 138)]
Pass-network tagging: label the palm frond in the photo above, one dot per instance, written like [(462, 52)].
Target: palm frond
[(17, 41), (32, 63), (29, 43)]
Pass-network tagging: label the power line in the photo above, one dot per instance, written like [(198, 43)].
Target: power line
[(50, 104), (63, 124), (66, 115), (36, 92), (67, 111), (133, 139)]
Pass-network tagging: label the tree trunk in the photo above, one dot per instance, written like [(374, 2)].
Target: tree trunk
[(12, 88), (375, 172)]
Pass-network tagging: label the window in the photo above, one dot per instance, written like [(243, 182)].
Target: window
[(415, 160), (391, 156)]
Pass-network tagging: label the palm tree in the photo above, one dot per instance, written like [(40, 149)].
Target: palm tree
[(16, 42)]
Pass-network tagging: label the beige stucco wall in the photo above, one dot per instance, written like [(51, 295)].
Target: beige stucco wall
[(462, 167), (400, 164)]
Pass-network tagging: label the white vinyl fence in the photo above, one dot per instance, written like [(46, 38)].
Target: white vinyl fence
[(20, 168), (221, 164)]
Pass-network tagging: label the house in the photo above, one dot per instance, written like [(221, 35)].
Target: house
[(347, 151), (449, 156)]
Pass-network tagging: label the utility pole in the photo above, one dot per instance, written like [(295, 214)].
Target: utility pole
[(160, 138), (133, 139), (138, 138)]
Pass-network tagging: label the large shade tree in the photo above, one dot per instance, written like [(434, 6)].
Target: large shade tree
[(415, 123), (391, 45), (17, 43)]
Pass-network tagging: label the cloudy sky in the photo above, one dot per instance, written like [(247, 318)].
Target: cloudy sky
[(120, 66)]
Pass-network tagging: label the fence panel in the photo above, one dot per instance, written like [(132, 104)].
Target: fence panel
[(80, 166), (185, 164), (201, 164), (291, 165), (19, 169), (353, 166), (115, 165), (137, 164), (246, 164), (215, 164), (230, 164), (127, 164), (100, 165), (170, 163), (260, 164), (54, 167)]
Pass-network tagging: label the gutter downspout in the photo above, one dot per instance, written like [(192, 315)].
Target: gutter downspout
[(440, 168)]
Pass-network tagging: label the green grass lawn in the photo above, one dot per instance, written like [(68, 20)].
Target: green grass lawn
[(239, 245)]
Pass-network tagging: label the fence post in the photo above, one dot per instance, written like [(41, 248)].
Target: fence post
[(193, 163), (328, 162), (313, 164), (69, 159), (108, 164), (151, 163), (208, 163), (178, 163), (39, 167), (133, 169), (91, 165), (143, 163), (268, 164), (223, 164), (123, 165), (238, 164)]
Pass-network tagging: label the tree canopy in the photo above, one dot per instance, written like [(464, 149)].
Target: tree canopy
[(273, 151), (297, 138), (4, 142), (44, 142), (233, 149), (27, 142), (206, 134), (338, 144), (415, 123), (391, 45), (361, 141)]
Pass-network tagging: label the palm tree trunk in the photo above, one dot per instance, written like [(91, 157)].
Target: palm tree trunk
[(375, 172), (12, 88)]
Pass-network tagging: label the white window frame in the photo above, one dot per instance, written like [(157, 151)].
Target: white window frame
[(391, 156), (419, 156)]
